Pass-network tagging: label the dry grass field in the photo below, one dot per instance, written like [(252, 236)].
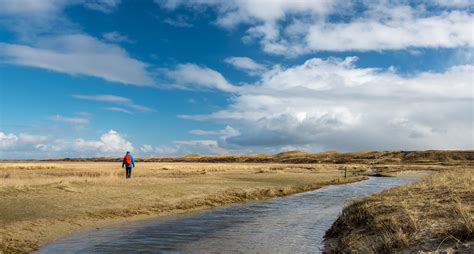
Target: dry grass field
[(434, 214), (41, 201)]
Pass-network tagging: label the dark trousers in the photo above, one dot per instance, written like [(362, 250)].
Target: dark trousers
[(128, 172)]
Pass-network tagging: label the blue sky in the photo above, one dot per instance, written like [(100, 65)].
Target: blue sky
[(99, 77)]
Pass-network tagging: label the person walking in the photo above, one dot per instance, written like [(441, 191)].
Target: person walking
[(129, 163)]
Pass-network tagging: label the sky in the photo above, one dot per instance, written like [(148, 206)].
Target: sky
[(86, 78)]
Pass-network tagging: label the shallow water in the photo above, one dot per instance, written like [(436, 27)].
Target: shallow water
[(292, 224)]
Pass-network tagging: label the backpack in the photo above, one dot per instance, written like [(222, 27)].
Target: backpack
[(127, 159)]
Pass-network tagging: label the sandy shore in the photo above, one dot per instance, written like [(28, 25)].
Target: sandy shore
[(42, 202)]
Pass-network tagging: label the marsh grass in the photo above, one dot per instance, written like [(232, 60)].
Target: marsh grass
[(27, 175), (423, 215), (30, 166), (41, 201)]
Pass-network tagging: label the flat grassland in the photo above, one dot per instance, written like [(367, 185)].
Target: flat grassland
[(42, 201), (433, 214)]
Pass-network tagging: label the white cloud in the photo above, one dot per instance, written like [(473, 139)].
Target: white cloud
[(447, 30), (228, 131), (454, 3), (14, 146), (246, 64), (27, 18), (43, 7), (30, 19), (104, 98), (332, 104), (28, 138), (10, 141), (199, 146), (116, 37), (123, 101), (183, 147), (292, 28), (13, 7), (198, 77), (111, 143), (79, 54), (47, 39), (179, 21), (28, 146), (77, 121), (233, 12), (148, 150), (106, 6), (118, 109)]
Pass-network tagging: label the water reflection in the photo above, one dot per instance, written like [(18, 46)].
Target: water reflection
[(293, 224)]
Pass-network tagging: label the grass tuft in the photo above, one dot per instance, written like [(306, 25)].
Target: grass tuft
[(436, 211)]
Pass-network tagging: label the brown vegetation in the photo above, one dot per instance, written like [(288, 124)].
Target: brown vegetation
[(359, 157), (436, 213), (43, 201)]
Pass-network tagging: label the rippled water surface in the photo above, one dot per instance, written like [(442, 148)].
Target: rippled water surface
[(293, 224)]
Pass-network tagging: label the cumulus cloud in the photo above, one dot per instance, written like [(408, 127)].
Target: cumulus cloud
[(111, 143), (198, 77), (333, 104), (292, 28), (28, 146), (246, 64), (119, 100), (24, 141)]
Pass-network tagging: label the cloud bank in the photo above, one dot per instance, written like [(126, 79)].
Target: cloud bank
[(27, 146), (333, 104)]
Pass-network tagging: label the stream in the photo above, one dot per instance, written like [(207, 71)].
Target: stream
[(291, 224)]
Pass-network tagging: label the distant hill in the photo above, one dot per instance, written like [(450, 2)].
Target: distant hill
[(364, 157)]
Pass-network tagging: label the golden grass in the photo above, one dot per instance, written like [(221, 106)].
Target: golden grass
[(41, 201), (33, 165), (433, 214), (447, 157)]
